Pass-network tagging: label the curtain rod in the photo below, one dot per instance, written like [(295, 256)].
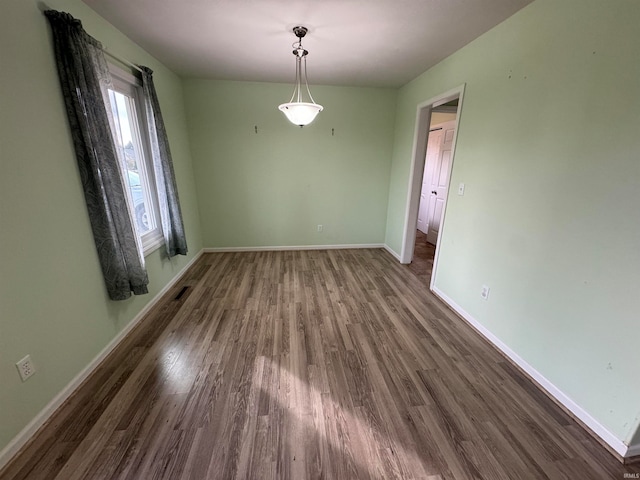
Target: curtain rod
[(122, 60), (44, 7)]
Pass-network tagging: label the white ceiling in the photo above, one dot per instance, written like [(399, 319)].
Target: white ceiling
[(350, 42)]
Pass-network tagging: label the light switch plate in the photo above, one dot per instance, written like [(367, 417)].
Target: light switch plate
[(484, 293)]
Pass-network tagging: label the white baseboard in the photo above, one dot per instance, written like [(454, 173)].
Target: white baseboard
[(609, 438), (41, 418), (392, 252), (633, 450), (293, 247)]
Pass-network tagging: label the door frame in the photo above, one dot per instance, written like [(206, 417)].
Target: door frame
[(419, 152)]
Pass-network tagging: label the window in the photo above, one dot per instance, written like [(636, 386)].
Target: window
[(131, 139)]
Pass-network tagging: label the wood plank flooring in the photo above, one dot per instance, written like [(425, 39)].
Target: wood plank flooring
[(422, 262), (309, 365)]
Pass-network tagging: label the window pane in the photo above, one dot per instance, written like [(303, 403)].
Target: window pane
[(128, 141)]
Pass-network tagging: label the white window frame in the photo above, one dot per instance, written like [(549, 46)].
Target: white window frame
[(127, 84)]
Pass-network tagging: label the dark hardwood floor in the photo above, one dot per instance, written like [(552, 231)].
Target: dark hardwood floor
[(423, 253), (305, 365)]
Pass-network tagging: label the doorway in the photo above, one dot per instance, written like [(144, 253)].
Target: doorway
[(433, 154)]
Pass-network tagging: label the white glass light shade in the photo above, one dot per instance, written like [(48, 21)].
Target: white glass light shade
[(300, 113)]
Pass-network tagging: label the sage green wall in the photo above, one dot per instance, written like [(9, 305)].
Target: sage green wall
[(53, 303), (273, 188), (548, 146)]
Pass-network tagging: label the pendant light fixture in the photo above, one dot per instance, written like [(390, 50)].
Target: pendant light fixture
[(297, 110)]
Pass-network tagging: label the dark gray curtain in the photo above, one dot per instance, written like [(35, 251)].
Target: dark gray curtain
[(83, 75), (170, 214)]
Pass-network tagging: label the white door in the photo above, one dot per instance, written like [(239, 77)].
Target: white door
[(439, 184), (433, 148)]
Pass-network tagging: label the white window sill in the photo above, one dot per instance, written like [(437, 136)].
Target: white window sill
[(152, 242)]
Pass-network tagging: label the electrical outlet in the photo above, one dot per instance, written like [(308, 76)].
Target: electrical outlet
[(320, 227), (484, 293), (25, 368)]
